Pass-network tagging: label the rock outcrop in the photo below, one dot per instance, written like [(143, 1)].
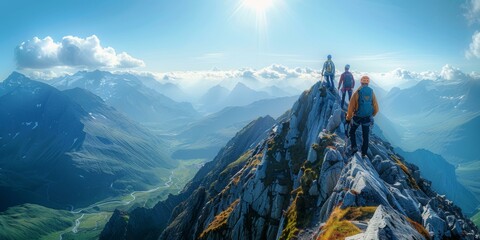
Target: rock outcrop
[(298, 183)]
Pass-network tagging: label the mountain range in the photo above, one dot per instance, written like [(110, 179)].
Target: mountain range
[(135, 97), (438, 115), (60, 148), (441, 116)]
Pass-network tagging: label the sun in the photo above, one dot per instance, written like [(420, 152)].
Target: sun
[(259, 6), (258, 11)]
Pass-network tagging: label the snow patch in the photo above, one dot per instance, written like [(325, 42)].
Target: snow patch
[(35, 126), (16, 135), (453, 98)]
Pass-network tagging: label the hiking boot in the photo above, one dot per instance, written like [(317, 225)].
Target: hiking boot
[(353, 150)]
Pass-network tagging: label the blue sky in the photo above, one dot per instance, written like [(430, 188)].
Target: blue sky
[(179, 35)]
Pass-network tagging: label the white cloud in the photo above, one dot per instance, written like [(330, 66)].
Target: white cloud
[(474, 49), (71, 52), (196, 82), (472, 11), (276, 71), (300, 78), (451, 73)]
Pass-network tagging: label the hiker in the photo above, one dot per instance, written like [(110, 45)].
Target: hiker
[(347, 83), (328, 71), (361, 110)]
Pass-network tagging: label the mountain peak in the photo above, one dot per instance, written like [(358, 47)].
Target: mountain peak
[(15, 78), (241, 86)]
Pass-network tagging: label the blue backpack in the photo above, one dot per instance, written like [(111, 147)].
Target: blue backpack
[(365, 102), (347, 80)]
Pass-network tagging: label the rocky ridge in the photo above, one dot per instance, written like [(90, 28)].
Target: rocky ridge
[(298, 183)]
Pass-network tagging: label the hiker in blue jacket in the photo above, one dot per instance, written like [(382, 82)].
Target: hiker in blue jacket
[(347, 83), (328, 71)]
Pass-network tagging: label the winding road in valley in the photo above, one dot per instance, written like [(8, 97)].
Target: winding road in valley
[(167, 184)]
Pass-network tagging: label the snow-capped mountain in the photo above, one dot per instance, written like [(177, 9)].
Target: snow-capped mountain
[(128, 94), (69, 147), (298, 183)]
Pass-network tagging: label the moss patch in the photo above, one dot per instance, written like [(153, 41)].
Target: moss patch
[(405, 169), (309, 175), (327, 141), (220, 221), (339, 226), (242, 159), (419, 227), (298, 215)]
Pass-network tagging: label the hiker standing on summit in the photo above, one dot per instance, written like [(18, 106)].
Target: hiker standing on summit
[(328, 71), (361, 110), (347, 82)]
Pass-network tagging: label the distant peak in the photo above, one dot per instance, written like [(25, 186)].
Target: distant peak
[(241, 87), (240, 84), (93, 74), (16, 74), (16, 78)]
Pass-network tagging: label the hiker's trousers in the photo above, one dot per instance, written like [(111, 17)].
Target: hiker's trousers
[(365, 123), (343, 95), (329, 78)]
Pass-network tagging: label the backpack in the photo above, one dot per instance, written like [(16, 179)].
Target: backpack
[(328, 66), (347, 80), (365, 102)]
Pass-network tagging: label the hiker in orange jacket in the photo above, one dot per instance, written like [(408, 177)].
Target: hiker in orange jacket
[(362, 108)]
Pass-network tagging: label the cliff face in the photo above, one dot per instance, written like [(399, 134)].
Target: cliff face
[(299, 183), (149, 223)]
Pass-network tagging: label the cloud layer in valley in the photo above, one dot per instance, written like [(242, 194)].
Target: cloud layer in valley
[(71, 51), (291, 80), (295, 80)]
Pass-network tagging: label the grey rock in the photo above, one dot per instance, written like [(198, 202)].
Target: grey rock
[(387, 223), (312, 155), (335, 119), (433, 223), (330, 173)]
